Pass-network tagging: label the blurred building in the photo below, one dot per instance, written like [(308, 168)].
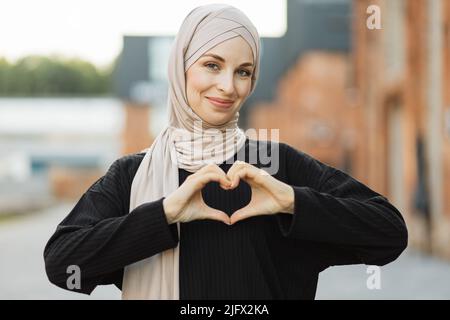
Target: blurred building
[(313, 111), (311, 25), (381, 112), (306, 92), (141, 84), (54, 148), (402, 79)]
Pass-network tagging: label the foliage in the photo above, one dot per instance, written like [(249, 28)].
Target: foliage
[(53, 76)]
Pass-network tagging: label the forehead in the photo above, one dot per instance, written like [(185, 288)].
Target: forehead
[(235, 49)]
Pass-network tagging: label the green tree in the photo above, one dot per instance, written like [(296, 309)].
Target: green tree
[(53, 76)]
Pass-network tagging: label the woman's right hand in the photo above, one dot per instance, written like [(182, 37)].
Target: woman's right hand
[(186, 203)]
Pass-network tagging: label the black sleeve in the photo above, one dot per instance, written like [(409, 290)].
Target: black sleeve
[(352, 222), (101, 237)]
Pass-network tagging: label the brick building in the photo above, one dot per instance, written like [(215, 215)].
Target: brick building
[(402, 75), (382, 112)]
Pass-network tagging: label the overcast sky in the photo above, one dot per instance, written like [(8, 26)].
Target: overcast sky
[(93, 29)]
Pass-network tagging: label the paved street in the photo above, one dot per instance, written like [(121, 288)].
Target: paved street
[(22, 274), (22, 271), (411, 276)]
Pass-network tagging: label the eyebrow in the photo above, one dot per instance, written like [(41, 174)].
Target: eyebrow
[(245, 64)]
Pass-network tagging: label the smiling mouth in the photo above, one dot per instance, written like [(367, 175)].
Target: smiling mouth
[(220, 103)]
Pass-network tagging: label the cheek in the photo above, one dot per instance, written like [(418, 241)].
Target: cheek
[(198, 82), (244, 88)]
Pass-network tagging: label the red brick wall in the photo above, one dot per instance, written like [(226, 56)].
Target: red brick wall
[(446, 99), (313, 111), (136, 135)]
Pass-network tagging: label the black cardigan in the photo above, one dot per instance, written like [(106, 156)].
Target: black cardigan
[(337, 221)]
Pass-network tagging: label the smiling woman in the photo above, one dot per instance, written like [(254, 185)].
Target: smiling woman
[(196, 217), (220, 80)]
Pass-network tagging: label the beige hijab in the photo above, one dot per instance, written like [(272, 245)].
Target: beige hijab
[(187, 142)]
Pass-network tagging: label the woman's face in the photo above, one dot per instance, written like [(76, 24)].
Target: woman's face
[(222, 74)]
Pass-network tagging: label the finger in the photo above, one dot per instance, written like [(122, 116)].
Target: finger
[(251, 173), (237, 165), (214, 168), (244, 173), (218, 215), (242, 214), (226, 183), (213, 176), (235, 178), (232, 172)]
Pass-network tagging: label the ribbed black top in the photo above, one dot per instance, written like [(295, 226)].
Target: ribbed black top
[(337, 221)]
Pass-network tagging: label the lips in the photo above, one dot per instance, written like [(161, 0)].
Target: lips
[(221, 102)]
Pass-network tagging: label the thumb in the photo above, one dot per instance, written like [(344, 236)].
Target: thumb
[(241, 214), (217, 215)]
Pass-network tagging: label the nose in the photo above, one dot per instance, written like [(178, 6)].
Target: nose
[(225, 83)]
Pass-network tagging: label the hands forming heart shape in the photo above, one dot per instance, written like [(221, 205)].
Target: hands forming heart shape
[(269, 195)]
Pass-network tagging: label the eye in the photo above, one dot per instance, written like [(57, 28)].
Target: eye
[(245, 74), (211, 66)]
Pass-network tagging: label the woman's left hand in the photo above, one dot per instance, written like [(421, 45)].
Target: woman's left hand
[(269, 195)]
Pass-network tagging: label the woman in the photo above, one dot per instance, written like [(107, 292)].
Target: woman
[(193, 218)]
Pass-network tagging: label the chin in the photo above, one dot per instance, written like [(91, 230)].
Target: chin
[(218, 118), (217, 122)]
